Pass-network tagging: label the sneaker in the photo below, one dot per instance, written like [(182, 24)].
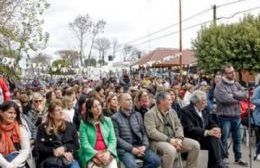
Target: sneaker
[(258, 157), (241, 163), (225, 161)]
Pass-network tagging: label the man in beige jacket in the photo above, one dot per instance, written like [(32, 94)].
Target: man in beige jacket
[(166, 133)]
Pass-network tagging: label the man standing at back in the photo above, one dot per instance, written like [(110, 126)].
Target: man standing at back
[(166, 133), (228, 93)]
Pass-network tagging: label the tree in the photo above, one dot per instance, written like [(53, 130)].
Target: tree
[(115, 47), (41, 58), (238, 44), (21, 27), (96, 29), (102, 45), (70, 55), (81, 27), (90, 62), (57, 66), (130, 52)]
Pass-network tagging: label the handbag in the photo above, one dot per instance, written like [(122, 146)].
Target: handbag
[(59, 162), (97, 162)]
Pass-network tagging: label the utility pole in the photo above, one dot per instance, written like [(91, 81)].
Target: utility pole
[(180, 33), (214, 14)]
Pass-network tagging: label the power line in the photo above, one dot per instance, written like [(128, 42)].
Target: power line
[(175, 32), (170, 26), (199, 24), (230, 3), (233, 15), (184, 20)]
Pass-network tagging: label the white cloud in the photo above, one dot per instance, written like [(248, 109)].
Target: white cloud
[(130, 19)]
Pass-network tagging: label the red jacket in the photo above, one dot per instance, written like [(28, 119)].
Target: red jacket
[(5, 90)]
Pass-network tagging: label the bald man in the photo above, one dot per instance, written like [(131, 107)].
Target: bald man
[(132, 141)]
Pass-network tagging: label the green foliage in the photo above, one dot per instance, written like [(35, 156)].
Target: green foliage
[(238, 44), (102, 62), (21, 27), (57, 65), (70, 55), (91, 62), (6, 70)]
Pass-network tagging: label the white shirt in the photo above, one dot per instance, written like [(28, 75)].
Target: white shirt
[(198, 112), (186, 98), (70, 113)]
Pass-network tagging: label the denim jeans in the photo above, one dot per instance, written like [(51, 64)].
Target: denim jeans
[(232, 125), (74, 164), (11, 157), (151, 160)]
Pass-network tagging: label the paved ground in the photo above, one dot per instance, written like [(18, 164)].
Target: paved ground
[(245, 153)]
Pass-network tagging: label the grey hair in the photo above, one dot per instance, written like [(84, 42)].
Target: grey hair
[(197, 96), (161, 96)]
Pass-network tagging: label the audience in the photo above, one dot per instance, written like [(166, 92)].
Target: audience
[(37, 114), (56, 142), (14, 139), (256, 120), (134, 120), (198, 125), (165, 132), (228, 93), (111, 105), (97, 138), (142, 102), (132, 140)]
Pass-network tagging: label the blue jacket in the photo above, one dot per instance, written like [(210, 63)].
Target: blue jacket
[(256, 102)]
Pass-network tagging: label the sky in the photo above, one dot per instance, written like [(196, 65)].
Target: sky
[(128, 20)]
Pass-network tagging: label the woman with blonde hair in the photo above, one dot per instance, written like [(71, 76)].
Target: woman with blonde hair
[(111, 105), (57, 140)]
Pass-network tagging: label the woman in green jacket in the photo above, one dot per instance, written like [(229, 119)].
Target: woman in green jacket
[(97, 138)]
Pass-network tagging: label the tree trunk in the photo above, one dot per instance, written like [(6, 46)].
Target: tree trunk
[(240, 76), (81, 49), (103, 58), (91, 47)]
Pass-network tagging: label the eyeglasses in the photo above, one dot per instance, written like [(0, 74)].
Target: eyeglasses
[(37, 101), (231, 72)]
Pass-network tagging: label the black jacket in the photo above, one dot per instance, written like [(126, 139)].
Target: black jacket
[(194, 127), (141, 110), (46, 143), (128, 133)]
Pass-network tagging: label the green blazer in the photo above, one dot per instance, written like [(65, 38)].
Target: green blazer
[(88, 140)]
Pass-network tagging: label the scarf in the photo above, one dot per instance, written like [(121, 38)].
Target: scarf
[(9, 136), (230, 82)]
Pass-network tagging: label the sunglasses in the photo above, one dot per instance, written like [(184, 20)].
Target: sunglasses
[(231, 72), (37, 101)]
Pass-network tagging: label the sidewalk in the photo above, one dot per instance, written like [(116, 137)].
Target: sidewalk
[(245, 155)]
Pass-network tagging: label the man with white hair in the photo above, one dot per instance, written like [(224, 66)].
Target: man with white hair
[(198, 125)]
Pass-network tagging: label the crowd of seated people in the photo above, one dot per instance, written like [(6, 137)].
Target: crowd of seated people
[(110, 124)]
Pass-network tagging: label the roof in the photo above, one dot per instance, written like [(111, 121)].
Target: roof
[(167, 57)]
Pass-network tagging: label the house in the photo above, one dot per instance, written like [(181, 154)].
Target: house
[(166, 57)]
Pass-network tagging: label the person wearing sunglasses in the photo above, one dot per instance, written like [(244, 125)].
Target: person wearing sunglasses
[(38, 111)]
